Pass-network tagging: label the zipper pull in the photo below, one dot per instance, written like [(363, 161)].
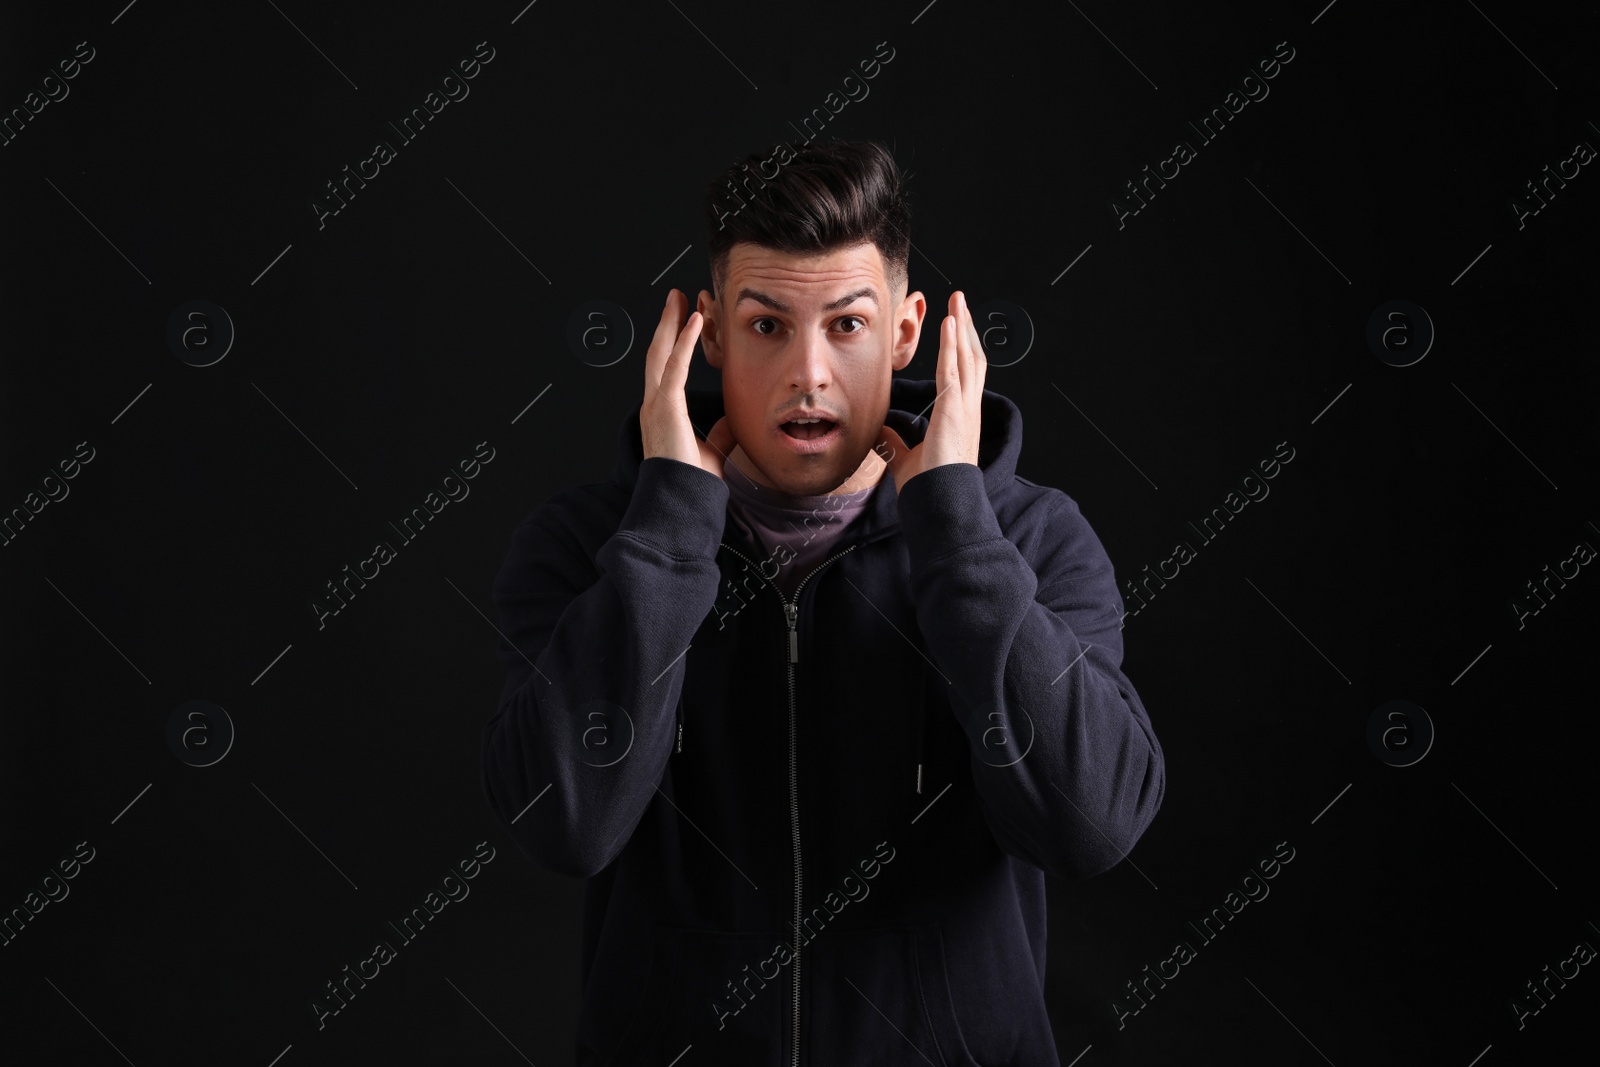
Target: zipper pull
[(792, 611)]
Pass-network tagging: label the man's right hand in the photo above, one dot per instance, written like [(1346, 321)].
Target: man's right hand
[(664, 415)]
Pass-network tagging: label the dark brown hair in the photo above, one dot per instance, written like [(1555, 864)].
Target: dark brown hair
[(807, 199)]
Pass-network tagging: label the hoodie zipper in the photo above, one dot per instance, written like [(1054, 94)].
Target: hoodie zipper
[(791, 614)]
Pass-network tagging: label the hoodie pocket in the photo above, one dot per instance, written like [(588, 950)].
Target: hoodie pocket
[(723, 993), (884, 998)]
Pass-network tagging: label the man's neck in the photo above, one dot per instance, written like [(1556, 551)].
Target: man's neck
[(869, 474)]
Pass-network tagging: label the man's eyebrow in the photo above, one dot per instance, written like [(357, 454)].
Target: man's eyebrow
[(775, 304)]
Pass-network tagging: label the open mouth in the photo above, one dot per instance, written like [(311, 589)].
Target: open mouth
[(809, 430)]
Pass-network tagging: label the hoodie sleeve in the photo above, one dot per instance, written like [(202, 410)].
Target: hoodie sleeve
[(593, 652), (1038, 655)]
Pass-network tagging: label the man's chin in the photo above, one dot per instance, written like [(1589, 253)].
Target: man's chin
[(814, 486), (802, 476), (845, 478)]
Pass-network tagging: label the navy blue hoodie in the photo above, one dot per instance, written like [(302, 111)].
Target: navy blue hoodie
[(816, 832)]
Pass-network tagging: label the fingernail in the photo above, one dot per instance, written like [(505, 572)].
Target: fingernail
[(668, 300)]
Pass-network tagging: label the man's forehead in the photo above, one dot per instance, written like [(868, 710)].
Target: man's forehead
[(778, 279), (779, 303)]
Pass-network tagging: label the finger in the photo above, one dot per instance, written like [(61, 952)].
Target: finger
[(980, 357), (956, 328), (949, 370), (977, 344), (968, 361), (964, 354), (973, 372), (980, 362), (676, 370), (661, 342)]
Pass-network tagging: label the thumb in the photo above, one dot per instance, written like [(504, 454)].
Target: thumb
[(890, 445), (721, 437)]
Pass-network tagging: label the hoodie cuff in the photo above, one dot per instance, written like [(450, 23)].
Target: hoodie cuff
[(677, 506), (944, 509)]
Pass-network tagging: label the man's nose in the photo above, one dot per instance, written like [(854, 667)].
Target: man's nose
[(811, 365)]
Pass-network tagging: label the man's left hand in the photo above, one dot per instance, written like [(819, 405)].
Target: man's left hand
[(954, 426)]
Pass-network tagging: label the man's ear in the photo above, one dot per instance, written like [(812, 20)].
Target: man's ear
[(907, 328), (710, 329)]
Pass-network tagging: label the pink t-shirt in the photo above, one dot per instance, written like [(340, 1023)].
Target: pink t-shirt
[(805, 527)]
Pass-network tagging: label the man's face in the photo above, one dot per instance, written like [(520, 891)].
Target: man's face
[(822, 333)]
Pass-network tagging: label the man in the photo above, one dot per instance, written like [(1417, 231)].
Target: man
[(815, 706)]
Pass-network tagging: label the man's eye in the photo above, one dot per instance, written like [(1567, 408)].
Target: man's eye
[(757, 324)]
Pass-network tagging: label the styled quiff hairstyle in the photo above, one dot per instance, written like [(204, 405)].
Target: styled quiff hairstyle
[(809, 199)]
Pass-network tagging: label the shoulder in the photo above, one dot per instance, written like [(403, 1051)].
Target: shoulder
[(1028, 507), (1050, 530), (573, 521)]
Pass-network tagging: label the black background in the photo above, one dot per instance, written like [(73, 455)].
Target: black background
[(1176, 352)]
